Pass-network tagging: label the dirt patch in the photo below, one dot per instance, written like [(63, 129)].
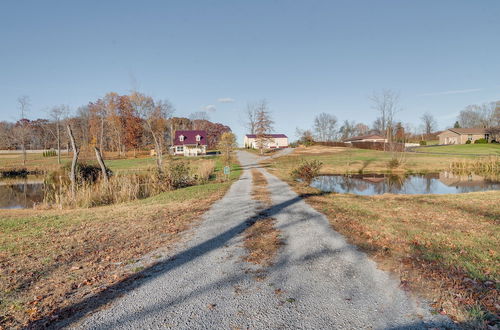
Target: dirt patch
[(56, 259)]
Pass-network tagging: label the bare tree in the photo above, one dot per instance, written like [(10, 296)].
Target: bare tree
[(197, 117), (76, 152), (23, 129), (263, 125), (154, 116), (325, 127), (251, 114), (361, 129), (478, 115), (386, 103), (428, 122), (57, 114), (104, 170), (347, 130)]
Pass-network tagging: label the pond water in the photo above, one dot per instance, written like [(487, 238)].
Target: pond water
[(378, 184), (20, 193)]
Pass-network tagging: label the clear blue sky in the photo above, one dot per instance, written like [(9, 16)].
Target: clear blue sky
[(304, 57)]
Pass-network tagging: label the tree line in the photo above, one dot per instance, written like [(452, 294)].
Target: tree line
[(117, 123), (327, 128)]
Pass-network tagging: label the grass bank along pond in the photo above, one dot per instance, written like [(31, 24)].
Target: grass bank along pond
[(52, 259), (444, 247)]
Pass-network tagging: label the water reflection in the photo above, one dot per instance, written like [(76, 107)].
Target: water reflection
[(20, 193), (377, 184)]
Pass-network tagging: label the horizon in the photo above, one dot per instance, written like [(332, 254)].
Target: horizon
[(303, 58)]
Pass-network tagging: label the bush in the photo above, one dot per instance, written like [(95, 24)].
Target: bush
[(177, 175), (393, 163), (307, 170), (467, 142), (86, 173), (423, 143), (481, 141)]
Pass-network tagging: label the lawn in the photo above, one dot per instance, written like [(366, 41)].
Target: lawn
[(52, 259), (467, 149), (36, 162), (445, 247), (339, 160)]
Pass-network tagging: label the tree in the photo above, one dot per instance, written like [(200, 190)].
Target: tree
[(361, 129), (263, 125), (400, 133), (305, 136), (386, 103), (154, 116), (57, 114), (23, 127), (325, 127), (478, 115), (428, 122), (76, 152), (227, 144), (195, 117), (347, 130), (115, 120), (251, 114), (456, 125)]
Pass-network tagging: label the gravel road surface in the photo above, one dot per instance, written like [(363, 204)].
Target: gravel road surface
[(318, 281)]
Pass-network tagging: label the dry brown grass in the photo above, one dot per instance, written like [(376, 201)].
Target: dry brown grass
[(442, 247), (262, 239), (318, 150), (51, 260)]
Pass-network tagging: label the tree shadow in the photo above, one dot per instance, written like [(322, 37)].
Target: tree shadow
[(77, 311)]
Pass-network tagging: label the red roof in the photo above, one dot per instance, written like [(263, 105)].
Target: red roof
[(253, 136), (190, 137)]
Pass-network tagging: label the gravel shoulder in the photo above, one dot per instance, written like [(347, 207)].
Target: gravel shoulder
[(317, 281)]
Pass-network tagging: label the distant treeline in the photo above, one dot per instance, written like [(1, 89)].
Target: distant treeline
[(112, 123)]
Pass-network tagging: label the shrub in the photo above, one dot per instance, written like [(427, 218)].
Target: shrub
[(85, 172), (177, 175), (307, 170), (481, 141), (423, 143), (394, 163), (467, 142)]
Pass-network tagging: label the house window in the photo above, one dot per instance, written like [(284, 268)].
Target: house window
[(180, 149), (181, 138), (198, 138), (469, 137), (487, 136)]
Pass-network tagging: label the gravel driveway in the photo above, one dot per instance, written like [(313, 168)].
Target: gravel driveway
[(317, 282)]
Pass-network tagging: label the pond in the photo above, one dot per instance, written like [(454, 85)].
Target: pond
[(378, 184), (21, 193)]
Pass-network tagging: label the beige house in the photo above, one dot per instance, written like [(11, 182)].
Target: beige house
[(271, 141), (461, 135)]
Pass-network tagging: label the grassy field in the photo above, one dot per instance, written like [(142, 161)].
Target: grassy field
[(52, 259), (37, 162), (338, 160), (445, 247), (469, 149)]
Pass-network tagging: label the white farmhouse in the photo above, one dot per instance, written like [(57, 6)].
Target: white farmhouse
[(272, 141)]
